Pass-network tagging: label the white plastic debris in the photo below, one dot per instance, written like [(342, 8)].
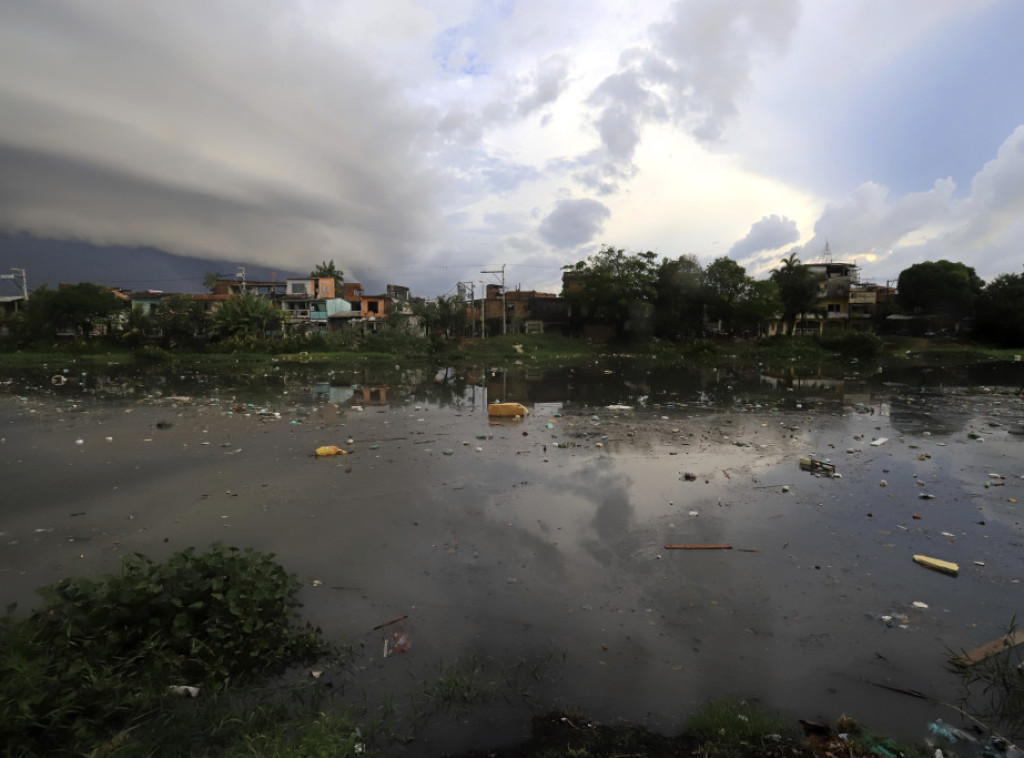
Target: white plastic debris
[(879, 441), (184, 690)]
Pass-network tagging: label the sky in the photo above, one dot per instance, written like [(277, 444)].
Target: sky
[(425, 142)]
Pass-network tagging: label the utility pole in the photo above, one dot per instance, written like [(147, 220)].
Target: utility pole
[(241, 275), (472, 302), (24, 281), (483, 308), (504, 311)]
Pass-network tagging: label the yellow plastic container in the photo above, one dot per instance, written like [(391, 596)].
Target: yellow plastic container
[(944, 567), (507, 409), (330, 450)]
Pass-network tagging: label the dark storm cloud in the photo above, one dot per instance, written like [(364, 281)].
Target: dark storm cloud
[(219, 134), (574, 222), (770, 233)]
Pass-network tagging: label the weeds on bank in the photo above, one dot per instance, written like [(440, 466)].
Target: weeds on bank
[(992, 690), (94, 666), (736, 728)]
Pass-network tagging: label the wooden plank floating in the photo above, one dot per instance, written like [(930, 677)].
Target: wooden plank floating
[(698, 547), (990, 648)]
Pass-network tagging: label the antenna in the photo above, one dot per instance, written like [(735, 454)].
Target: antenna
[(826, 254)]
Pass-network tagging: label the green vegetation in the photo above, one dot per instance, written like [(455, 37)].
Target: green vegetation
[(798, 290), (861, 345), (992, 690), (615, 289), (939, 288), (76, 307), (446, 315), (729, 727), (247, 319), (675, 299), (96, 661), (327, 270), (1000, 310)]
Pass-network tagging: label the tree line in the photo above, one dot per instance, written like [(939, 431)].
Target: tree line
[(676, 299), (636, 294)]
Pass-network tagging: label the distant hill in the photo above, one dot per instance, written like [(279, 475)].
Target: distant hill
[(50, 262)]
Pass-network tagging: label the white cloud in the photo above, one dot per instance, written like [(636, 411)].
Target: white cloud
[(770, 233), (983, 230)]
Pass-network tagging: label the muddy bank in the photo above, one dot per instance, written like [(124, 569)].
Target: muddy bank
[(542, 541)]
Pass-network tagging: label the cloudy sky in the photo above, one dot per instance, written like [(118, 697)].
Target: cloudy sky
[(420, 141)]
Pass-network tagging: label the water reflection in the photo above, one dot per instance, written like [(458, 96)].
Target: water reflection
[(611, 381)]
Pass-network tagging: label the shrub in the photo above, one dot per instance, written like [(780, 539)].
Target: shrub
[(702, 350), (100, 653), (855, 344)]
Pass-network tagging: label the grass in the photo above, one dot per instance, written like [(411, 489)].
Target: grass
[(458, 686), (992, 690), (737, 727)]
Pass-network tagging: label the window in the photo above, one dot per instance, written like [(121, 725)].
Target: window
[(373, 306)]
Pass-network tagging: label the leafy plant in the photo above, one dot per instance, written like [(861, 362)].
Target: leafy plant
[(856, 344), (100, 655)]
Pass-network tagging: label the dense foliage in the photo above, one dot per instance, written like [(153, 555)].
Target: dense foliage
[(75, 308), (615, 289), (247, 317), (99, 654), (940, 288), (798, 290), (447, 315), (1000, 311)]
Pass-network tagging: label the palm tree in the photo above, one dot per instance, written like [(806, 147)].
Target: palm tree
[(327, 270), (798, 289)]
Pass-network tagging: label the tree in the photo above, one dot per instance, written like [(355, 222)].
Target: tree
[(680, 298), (247, 317), (725, 285), (137, 326), (76, 306), (180, 319), (327, 270), (446, 314), (938, 288), (1000, 311), (797, 290), (758, 305), (614, 288), (210, 279)]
